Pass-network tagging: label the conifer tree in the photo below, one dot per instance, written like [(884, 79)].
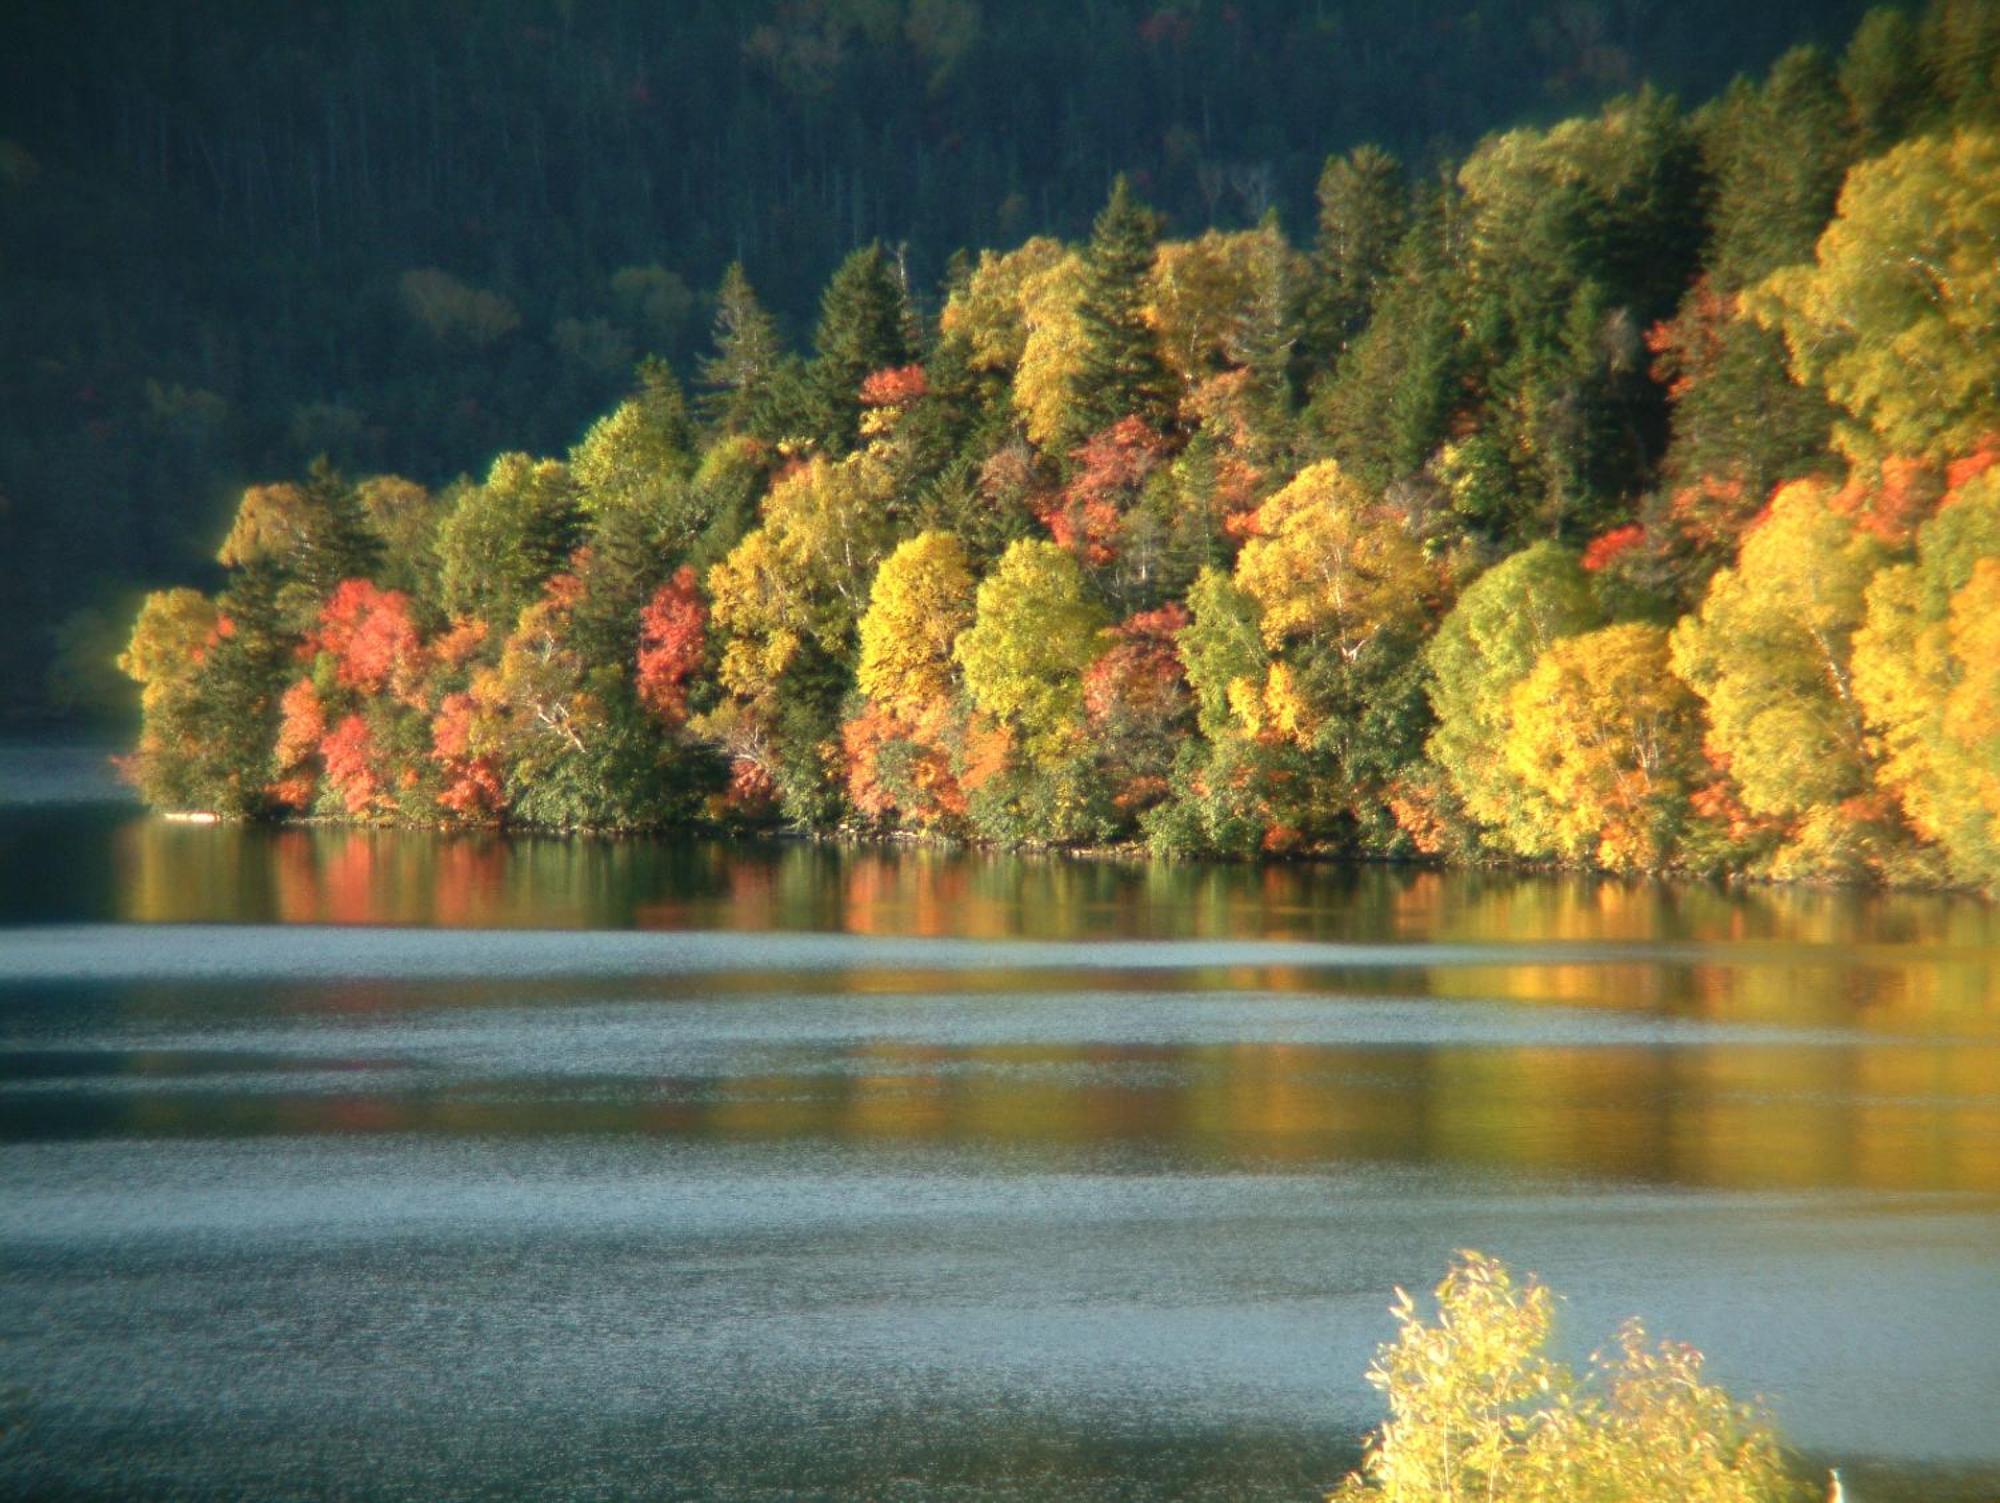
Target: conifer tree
[(1883, 80), (1777, 154), (748, 355), (1363, 214), (864, 327), (1119, 373)]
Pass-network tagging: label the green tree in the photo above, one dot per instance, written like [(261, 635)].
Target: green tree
[(1034, 631), (1119, 373), (313, 534), (1882, 77), (739, 380), (1488, 643), (1777, 153), (1222, 651), (1363, 216), (505, 537), (864, 327), (1388, 406)]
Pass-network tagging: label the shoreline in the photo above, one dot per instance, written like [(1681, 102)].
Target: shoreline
[(1133, 853)]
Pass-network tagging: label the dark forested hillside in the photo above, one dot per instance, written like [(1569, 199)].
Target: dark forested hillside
[(408, 236)]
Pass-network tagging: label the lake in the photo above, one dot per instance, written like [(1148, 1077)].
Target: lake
[(414, 1166)]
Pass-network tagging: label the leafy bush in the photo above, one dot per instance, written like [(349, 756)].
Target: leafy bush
[(1479, 1410)]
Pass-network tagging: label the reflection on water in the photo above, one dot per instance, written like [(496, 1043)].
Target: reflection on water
[(599, 1168), (1889, 960)]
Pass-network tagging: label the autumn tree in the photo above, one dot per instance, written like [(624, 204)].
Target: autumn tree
[(785, 606), (991, 311), (672, 646), (1053, 360), (922, 598), (1488, 643), (1035, 629), (1927, 677), (1480, 1410), (1607, 744), (1138, 709), (308, 535), (1898, 314), (1770, 652)]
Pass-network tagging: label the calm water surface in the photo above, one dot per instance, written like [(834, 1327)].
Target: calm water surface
[(376, 1165)]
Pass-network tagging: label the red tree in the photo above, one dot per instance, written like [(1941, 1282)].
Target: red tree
[(673, 640)]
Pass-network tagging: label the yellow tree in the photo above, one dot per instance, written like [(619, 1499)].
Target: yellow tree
[(1052, 353), (1332, 568), (1769, 651), (1608, 743), (1479, 1412), (1927, 674), (921, 600), (1490, 641), (990, 312), (801, 579), (1200, 297), (1898, 314)]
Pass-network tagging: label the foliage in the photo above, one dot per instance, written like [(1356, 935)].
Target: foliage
[(1929, 683), (1033, 633), (1489, 642), (881, 582), (1479, 1410), (921, 600), (1118, 372), (1898, 313), (1770, 651), (1606, 742), (504, 538)]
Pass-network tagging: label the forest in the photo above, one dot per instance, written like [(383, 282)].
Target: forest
[(1624, 493), (412, 236)]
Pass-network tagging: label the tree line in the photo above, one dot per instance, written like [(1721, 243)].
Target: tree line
[(1624, 495)]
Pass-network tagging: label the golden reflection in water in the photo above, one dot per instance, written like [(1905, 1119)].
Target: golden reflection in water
[(1884, 1117)]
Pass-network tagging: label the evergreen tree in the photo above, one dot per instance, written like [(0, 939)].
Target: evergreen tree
[(864, 327), (1363, 215), (1777, 153), (1119, 373), (1386, 410), (1270, 337), (739, 377), (1882, 77)]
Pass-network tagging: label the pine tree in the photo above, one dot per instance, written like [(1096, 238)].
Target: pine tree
[(1386, 410), (1271, 335), (1777, 153), (1120, 373), (748, 355), (1363, 214), (864, 327), (1882, 77)]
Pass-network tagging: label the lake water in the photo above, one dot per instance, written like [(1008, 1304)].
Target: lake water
[(412, 1166)]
